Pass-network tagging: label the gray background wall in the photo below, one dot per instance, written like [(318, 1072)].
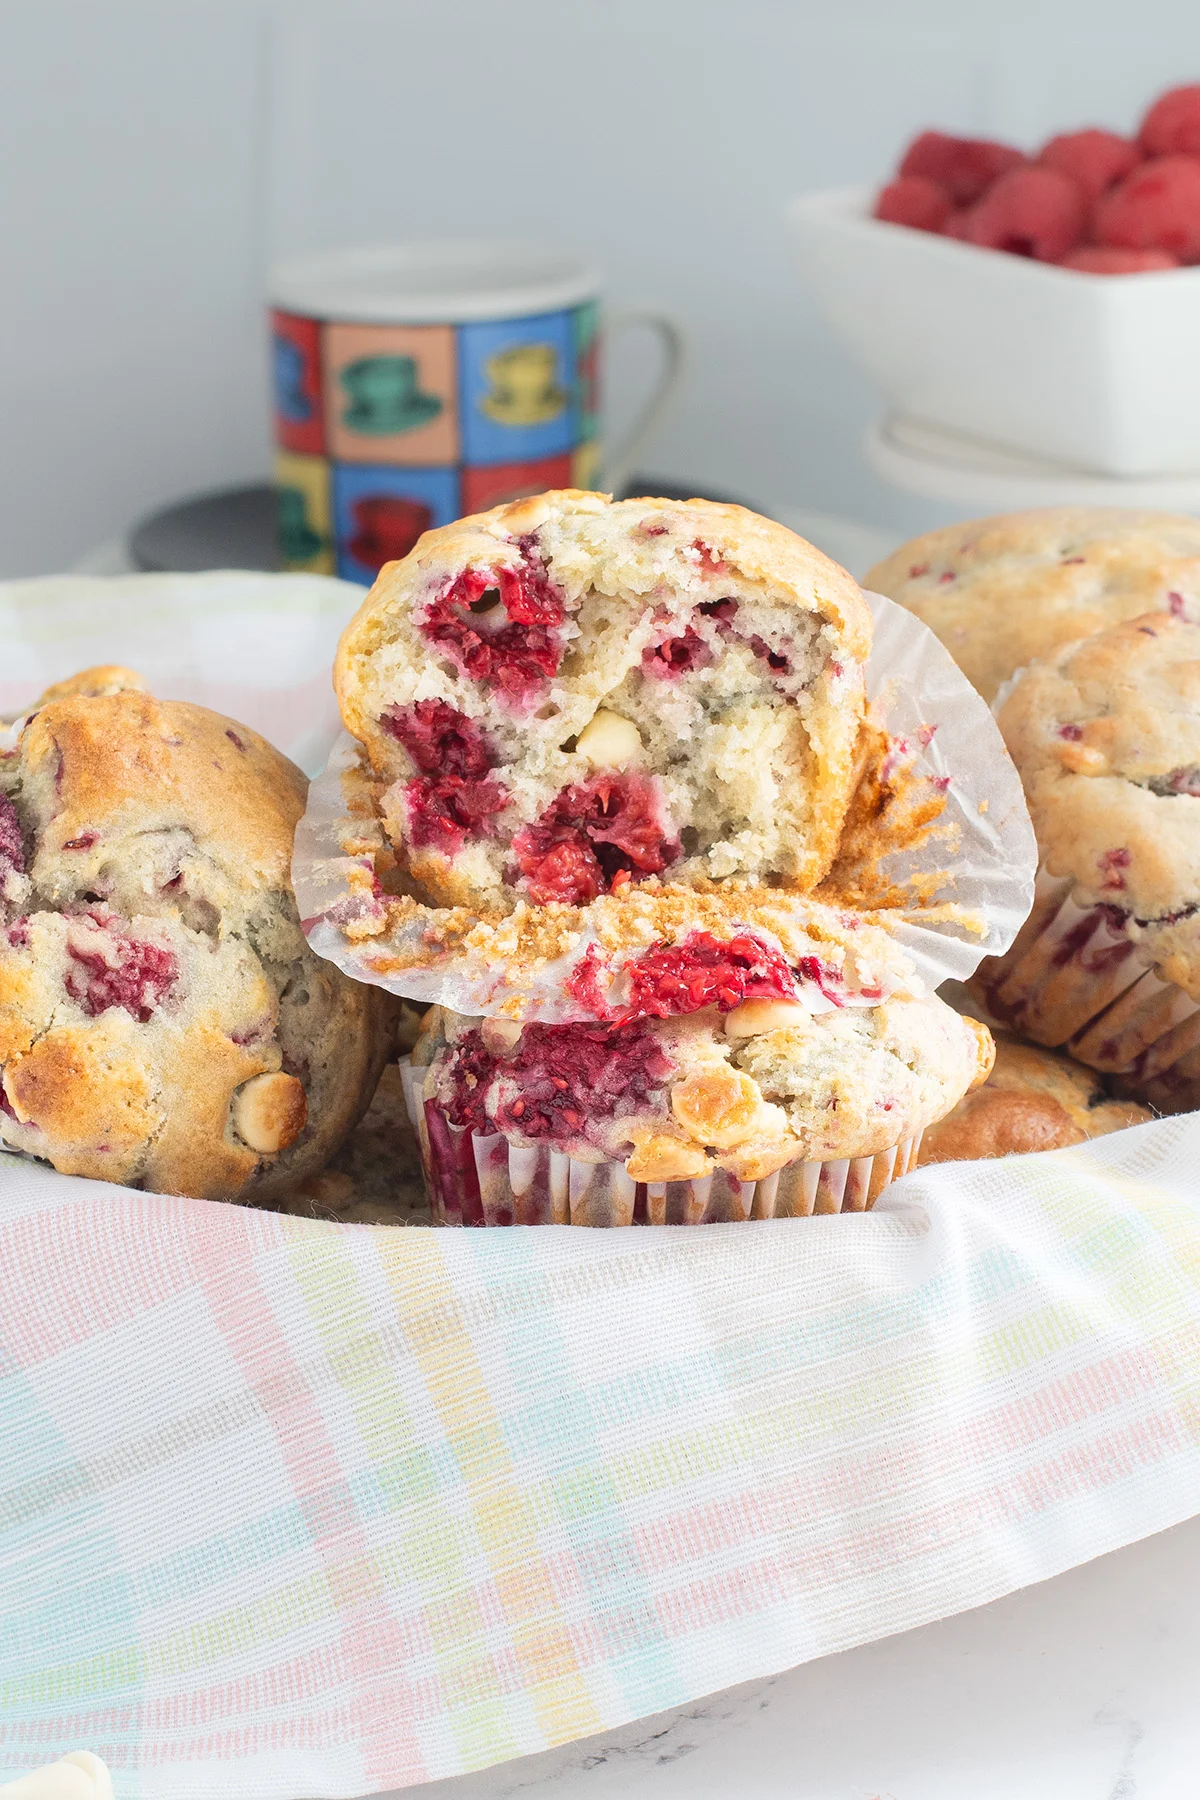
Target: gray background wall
[(154, 157)]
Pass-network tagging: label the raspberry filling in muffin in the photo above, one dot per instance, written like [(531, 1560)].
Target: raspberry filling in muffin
[(594, 838), (682, 978), (452, 799), (501, 626), (12, 850), (555, 1078), (114, 968)]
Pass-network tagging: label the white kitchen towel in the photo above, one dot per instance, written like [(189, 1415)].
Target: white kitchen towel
[(294, 1509)]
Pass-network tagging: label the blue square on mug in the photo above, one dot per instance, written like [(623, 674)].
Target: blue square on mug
[(516, 382), (380, 510)]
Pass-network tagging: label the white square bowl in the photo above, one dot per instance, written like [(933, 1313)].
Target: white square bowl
[(1098, 372)]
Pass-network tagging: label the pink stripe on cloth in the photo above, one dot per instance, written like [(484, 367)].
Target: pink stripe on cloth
[(134, 1262), (371, 1645)]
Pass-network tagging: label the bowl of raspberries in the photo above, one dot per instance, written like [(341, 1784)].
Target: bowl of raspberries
[(977, 287)]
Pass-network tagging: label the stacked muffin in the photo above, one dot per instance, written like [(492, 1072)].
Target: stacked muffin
[(1082, 624), (608, 753)]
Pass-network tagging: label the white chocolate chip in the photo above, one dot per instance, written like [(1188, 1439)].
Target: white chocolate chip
[(524, 516), (270, 1112), (500, 1035), (753, 1017), (609, 741), (79, 1776)]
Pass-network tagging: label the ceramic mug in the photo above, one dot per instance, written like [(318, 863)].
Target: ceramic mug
[(417, 383)]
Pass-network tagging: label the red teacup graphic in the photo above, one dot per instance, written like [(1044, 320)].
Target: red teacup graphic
[(386, 528)]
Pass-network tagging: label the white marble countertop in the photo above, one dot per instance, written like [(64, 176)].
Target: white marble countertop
[(1084, 1688)]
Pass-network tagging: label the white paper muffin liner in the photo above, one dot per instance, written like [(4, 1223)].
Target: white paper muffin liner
[(478, 1180), (984, 851), (1074, 979)]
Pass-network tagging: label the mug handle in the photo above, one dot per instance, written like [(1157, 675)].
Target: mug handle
[(673, 340)]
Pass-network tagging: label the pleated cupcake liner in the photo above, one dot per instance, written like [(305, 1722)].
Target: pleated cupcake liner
[(1075, 980), (474, 1179)]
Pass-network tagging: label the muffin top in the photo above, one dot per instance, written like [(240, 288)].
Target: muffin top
[(565, 697), (1106, 737), (162, 1020), (1001, 592), (750, 1091), (1034, 1099)]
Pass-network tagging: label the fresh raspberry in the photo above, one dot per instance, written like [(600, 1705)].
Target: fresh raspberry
[(1172, 126), (965, 167), (445, 810), (114, 969), (593, 837), (557, 1078), (1106, 259), (12, 849), (439, 739), (1155, 208), (958, 225), (683, 978), (1094, 160), (913, 200), (1029, 212), (515, 658)]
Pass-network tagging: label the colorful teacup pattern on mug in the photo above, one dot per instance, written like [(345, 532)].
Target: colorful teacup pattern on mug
[(385, 431)]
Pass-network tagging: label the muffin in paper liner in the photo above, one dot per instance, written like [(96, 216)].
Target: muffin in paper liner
[(478, 1180), (764, 1111), (1106, 737), (1075, 979)]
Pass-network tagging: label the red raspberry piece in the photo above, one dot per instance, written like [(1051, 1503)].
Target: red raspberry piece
[(439, 738), (1172, 125), (515, 658), (593, 837), (114, 969), (1155, 208), (450, 801), (1029, 212), (1106, 259), (965, 167), (12, 849), (676, 656), (445, 810), (1094, 160), (564, 1076), (958, 225), (1112, 862), (683, 978), (913, 200)]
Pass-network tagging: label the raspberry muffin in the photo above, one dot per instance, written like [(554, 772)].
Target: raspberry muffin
[(1034, 1099), (1001, 592), (1106, 737), (731, 1110), (565, 697), (162, 1021)]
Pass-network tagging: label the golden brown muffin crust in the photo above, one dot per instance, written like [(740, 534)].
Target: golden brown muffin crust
[(1004, 591)]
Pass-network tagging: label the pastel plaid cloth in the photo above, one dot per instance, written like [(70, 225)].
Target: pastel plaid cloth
[(298, 1509)]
